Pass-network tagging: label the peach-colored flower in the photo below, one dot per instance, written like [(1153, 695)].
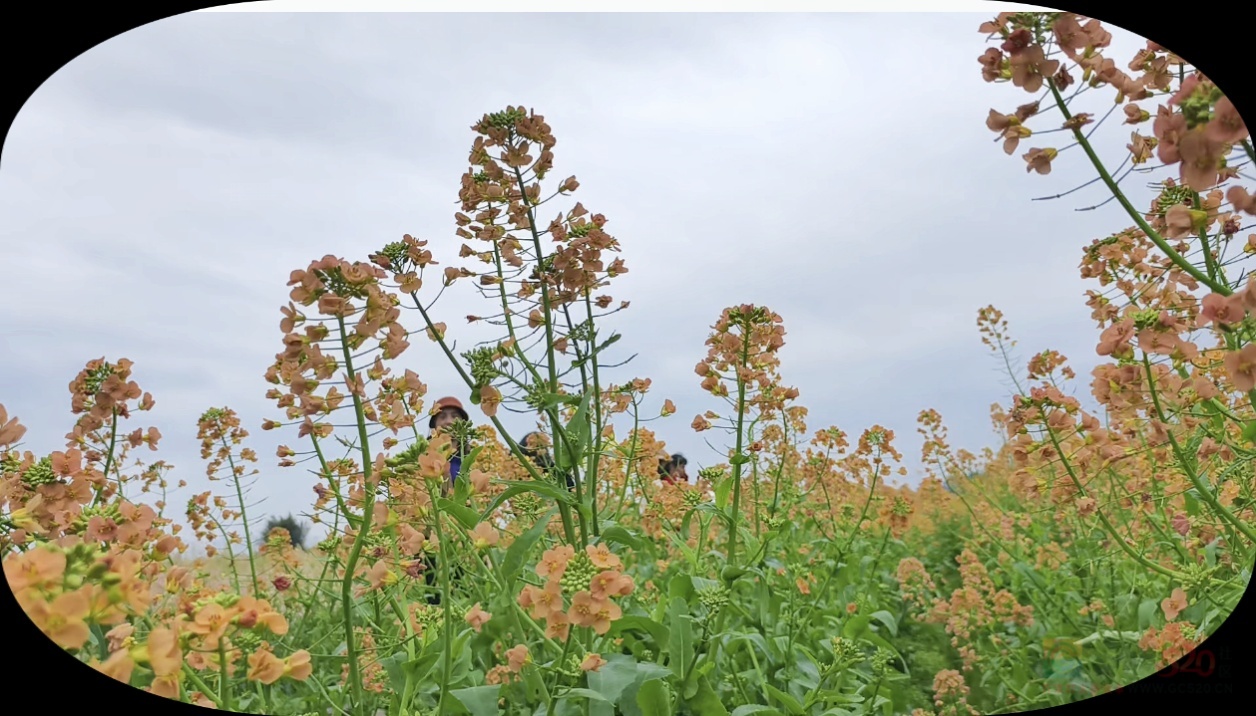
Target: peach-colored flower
[(557, 625), (118, 666), (802, 585), (165, 657), (554, 561), (592, 662), (63, 620), (477, 617), (1039, 160), (602, 557), (1226, 126), (484, 536), (297, 666), (541, 602), (518, 657), (264, 667), (1241, 365), (610, 583), (1174, 604), (1225, 310)]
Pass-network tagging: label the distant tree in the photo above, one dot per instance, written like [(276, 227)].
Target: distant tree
[(296, 530)]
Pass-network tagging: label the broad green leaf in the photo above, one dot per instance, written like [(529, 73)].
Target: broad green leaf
[(462, 487), (621, 535), (616, 674), (749, 709), (653, 699), (517, 552), (465, 515), (657, 632), (681, 586), (1146, 612), (722, 490), (583, 694), (545, 489), (479, 700), (680, 644), (791, 704), (705, 702), (888, 620)]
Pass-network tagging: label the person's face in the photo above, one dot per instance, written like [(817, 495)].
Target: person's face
[(678, 473), (445, 418)]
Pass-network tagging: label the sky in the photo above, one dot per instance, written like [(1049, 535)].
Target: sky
[(836, 167)]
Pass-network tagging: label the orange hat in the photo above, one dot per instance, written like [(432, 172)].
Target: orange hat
[(448, 402)]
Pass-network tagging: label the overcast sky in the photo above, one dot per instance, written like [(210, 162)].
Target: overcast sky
[(158, 190)]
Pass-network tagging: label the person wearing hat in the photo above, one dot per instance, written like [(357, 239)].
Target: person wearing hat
[(533, 446), (449, 410), (672, 468)]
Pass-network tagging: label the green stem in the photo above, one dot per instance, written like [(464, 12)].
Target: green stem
[(1136, 215), (739, 457), (359, 539), (248, 539), (1191, 474)]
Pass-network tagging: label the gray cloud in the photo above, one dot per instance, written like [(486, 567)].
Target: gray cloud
[(836, 167)]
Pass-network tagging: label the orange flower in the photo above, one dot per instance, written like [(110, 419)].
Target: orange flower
[(518, 657), (63, 619), (256, 612), (802, 585), (165, 686), (592, 662), (210, 624), (610, 583), (477, 617), (118, 666), (1039, 160), (1241, 365), (602, 557), (297, 666), (484, 536), (540, 603), (165, 657), (586, 611), (554, 562), (1174, 604), (557, 625), (38, 568), (265, 667)]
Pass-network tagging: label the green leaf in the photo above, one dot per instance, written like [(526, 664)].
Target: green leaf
[(517, 552), (681, 586), (479, 700), (790, 703), (465, 515), (583, 694), (621, 535), (748, 709), (722, 491), (619, 671), (657, 632), (705, 702), (1249, 432), (578, 432), (462, 486), (680, 645), (1146, 612), (1192, 503), (653, 699), (888, 620), (545, 489)]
